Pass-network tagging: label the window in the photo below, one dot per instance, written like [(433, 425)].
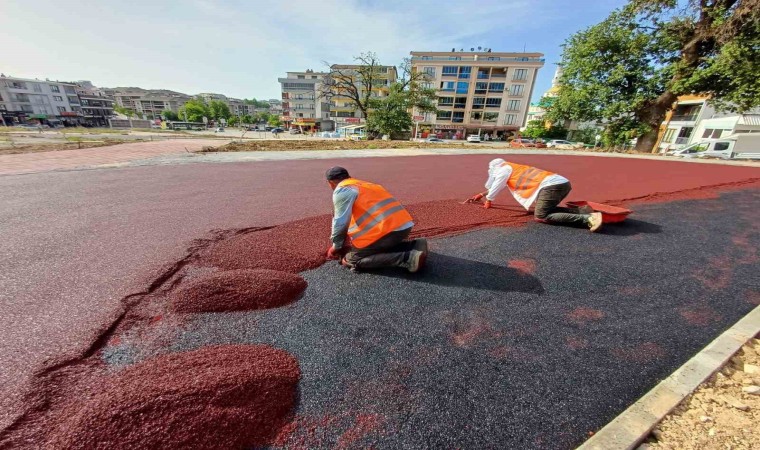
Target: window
[(297, 86), (490, 117), (478, 102), (513, 105), (458, 117), (61, 109), (430, 71), (54, 88), (449, 71), (426, 85), (20, 97), (496, 87), (712, 133), (520, 74), (460, 103), (36, 87), (425, 57), (69, 90), (17, 85), (445, 101), (455, 58), (719, 146), (476, 116), (517, 89), (464, 72), (462, 87), (483, 74), (314, 77), (301, 77), (447, 86), (27, 108), (443, 115), (58, 98), (481, 88), (494, 58), (493, 102), (669, 135), (345, 114), (510, 119)]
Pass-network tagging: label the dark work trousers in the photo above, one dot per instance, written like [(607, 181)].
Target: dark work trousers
[(390, 250), (548, 211)]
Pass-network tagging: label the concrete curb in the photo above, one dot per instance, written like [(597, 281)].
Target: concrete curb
[(634, 424)]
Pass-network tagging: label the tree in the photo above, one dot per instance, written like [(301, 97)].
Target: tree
[(356, 82), (274, 121), (247, 119), (219, 110), (125, 111), (232, 121), (195, 110), (262, 117), (628, 70), (170, 115), (537, 129), (257, 103), (392, 114)]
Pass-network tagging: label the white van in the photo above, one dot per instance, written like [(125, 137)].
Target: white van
[(735, 146)]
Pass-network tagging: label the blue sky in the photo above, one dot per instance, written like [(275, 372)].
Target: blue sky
[(239, 48)]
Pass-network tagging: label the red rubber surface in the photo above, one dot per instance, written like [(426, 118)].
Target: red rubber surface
[(77, 243)]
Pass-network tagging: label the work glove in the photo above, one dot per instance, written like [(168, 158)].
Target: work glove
[(333, 253), (487, 204), (476, 197)]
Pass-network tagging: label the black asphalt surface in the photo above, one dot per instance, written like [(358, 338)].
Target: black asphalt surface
[(472, 353)]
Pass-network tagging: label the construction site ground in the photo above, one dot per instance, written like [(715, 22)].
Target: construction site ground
[(517, 333)]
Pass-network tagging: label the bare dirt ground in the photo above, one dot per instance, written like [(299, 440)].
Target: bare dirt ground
[(285, 144), (15, 149), (723, 413)]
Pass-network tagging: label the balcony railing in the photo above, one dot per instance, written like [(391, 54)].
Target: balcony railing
[(684, 118), (498, 75), (682, 141)]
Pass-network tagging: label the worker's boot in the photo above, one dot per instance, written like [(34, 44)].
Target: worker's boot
[(415, 261), (421, 245), (595, 222)]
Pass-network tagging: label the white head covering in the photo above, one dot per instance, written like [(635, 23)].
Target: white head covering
[(492, 166)]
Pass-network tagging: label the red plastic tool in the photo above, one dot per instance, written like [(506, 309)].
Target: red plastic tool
[(610, 214)]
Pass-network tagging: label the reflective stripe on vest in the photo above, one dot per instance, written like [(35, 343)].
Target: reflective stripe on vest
[(375, 213), (525, 180)]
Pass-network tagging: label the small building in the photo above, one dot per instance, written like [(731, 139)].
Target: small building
[(25, 100), (302, 106)]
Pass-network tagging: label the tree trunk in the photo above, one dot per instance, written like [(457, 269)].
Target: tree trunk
[(653, 116)]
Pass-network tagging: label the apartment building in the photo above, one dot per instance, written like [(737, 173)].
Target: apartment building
[(301, 104), (25, 100), (478, 91), (275, 106), (148, 103), (97, 106)]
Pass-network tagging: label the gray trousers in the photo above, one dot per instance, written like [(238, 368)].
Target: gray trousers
[(390, 250), (547, 208)]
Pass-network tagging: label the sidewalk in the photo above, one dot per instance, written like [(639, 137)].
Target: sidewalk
[(114, 154)]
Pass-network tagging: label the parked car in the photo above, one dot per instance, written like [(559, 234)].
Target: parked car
[(155, 126), (433, 139), (295, 131), (474, 138), (554, 143), (268, 128), (219, 130), (692, 151), (277, 130), (522, 143)]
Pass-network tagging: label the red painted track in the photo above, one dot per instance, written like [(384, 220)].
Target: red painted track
[(76, 243)]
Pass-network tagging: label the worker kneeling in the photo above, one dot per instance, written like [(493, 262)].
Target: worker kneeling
[(531, 185), (376, 223)]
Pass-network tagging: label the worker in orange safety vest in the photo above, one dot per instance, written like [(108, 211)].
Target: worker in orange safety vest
[(376, 223), (531, 185)]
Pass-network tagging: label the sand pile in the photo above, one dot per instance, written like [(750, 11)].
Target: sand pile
[(238, 290), (226, 397)]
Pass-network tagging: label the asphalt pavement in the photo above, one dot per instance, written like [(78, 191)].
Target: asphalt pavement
[(76, 244), (511, 338)]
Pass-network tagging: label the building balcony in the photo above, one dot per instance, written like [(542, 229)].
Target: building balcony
[(684, 118)]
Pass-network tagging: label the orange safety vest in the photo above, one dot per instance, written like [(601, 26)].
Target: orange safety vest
[(375, 213), (525, 180)]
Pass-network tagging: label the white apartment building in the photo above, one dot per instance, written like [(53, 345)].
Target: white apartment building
[(148, 103), (301, 105), (478, 91), (47, 102)]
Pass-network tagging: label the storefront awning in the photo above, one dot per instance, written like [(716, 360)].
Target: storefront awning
[(38, 116)]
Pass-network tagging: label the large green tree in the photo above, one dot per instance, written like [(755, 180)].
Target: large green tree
[(219, 110), (194, 110), (537, 129), (628, 70)]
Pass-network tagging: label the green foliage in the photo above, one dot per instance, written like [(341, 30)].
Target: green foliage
[(587, 135), (392, 114), (219, 110), (125, 111), (233, 121), (537, 129), (628, 70), (247, 119), (195, 110), (256, 103), (170, 115), (262, 117), (274, 121)]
